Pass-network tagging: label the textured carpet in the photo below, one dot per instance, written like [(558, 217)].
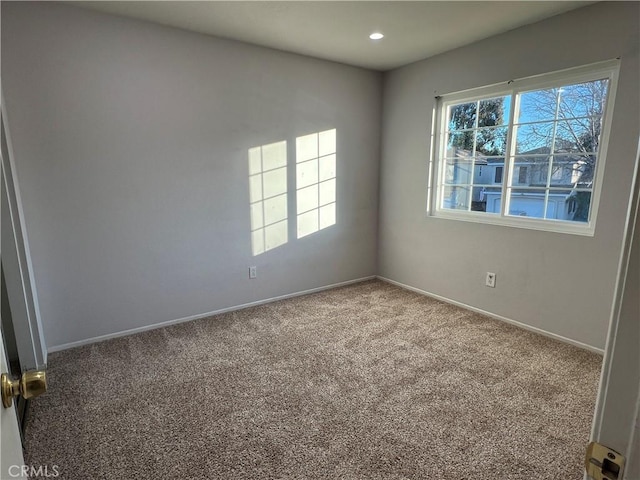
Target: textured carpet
[(367, 381)]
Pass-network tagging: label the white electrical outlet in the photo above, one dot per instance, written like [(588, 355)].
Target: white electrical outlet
[(491, 280), (253, 272)]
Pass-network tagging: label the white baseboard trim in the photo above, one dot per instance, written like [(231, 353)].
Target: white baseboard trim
[(495, 316), (133, 331)]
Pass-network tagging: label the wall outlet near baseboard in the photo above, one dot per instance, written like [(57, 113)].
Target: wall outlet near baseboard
[(491, 280), (253, 272)]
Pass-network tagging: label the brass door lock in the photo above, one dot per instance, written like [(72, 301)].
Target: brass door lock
[(30, 385), (602, 463)]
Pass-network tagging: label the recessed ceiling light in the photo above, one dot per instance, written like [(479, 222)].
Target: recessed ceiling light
[(376, 36)]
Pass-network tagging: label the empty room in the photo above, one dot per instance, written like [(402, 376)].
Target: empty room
[(320, 240)]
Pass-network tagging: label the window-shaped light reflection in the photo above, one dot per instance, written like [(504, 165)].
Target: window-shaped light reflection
[(268, 196), (315, 182)]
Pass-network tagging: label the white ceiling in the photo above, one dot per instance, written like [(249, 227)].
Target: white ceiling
[(339, 31)]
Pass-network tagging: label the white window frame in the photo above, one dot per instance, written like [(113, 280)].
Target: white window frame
[(599, 71)]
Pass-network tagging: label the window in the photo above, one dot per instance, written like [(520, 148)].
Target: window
[(498, 176), (544, 139), (522, 176), (558, 174)]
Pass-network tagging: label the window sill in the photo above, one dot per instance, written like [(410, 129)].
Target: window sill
[(555, 226)]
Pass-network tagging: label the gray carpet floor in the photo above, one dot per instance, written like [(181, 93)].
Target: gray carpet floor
[(367, 381)]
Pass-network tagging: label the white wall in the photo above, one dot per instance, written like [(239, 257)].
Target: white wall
[(560, 283), (131, 143)]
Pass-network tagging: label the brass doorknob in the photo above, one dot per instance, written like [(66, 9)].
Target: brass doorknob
[(30, 385)]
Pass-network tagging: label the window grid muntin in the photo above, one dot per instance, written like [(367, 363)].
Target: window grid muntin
[(474, 150)]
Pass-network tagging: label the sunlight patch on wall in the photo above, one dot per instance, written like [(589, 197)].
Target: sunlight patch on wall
[(268, 196), (315, 182)]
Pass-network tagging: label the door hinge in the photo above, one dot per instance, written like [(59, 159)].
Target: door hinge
[(603, 463)]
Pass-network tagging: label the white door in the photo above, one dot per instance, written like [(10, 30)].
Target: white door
[(616, 416), (16, 263), (11, 459)]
